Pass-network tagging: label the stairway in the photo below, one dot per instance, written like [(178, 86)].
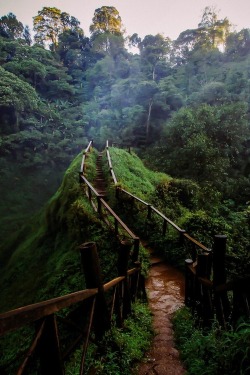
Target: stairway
[(99, 183)]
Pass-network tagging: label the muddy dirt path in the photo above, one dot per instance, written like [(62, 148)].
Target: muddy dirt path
[(165, 289)]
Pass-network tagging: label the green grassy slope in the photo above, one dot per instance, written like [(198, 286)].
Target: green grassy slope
[(41, 260)]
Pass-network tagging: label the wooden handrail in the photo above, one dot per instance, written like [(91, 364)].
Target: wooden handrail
[(84, 155), (135, 197), (109, 209), (165, 218), (197, 243), (186, 235), (89, 185), (14, 319), (110, 165), (122, 224)]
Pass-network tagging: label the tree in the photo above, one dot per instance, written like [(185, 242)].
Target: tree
[(106, 20), (106, 33), (10, 27), (153, 49), (47, 26), (211, 33), (214, 30), (15, 97), (204, 143), (238, 44), (29, 69), (50, 23), (27, 36)]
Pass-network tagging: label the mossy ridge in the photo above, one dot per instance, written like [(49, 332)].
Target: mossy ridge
[(46, 246), (133, 175)]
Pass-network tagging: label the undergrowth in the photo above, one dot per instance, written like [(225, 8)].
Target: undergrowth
[(120, 349), (214, 351)]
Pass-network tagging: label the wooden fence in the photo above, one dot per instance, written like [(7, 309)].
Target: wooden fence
[(207, 291), (91, 310), (87, 311), (105, 212)]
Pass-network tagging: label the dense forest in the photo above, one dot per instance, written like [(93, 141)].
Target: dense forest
[(185, 100), (182, 105)]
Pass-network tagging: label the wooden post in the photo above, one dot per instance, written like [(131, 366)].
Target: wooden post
[(122, 266), (89, 193), (203, 292), (149, 215), (99, 206), (182, 232), (136, 249), (219, 278), (49, 349), (116, 227), (92, 272), (117, 192), (188, 283), (164, 227)]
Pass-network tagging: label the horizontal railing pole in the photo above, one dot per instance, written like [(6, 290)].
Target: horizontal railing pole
[(89, 185), (84, 156), (17, 318), (122, 224), (167, 220), (135, 197)]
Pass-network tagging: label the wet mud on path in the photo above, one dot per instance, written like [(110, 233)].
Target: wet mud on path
[(165, 290)]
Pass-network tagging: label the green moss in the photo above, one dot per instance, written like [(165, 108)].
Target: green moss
[(47, 246), (132, 175)]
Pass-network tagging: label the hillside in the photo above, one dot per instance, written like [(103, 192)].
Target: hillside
[(187, 98), (47, 245)]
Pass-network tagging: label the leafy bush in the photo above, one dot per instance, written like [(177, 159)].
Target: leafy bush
[(214, 351), (120, 349)]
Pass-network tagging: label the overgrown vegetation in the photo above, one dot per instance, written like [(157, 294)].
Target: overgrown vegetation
[(182, 201), (215, 351), (48, 244), (48, 247), (182, 104), (187, 99), (120, 349)]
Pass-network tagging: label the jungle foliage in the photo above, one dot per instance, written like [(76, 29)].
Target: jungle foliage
[(183, 106), (215, 351), (185, 100)]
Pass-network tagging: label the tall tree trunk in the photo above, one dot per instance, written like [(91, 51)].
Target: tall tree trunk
[(148, 117)]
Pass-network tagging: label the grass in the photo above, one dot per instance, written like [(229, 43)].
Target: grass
[(46, 246), (120, 349), (132, 175), (215, 351), (41, 262)]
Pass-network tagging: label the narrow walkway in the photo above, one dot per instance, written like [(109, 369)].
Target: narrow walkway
[(165, 289)]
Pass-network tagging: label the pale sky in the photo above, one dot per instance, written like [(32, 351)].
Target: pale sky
[(168, 17)]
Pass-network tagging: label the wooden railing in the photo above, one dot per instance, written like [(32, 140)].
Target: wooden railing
[(208, 298), (152, 210), (93, 312), (85, 152), (109, 216), (106, 213)]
